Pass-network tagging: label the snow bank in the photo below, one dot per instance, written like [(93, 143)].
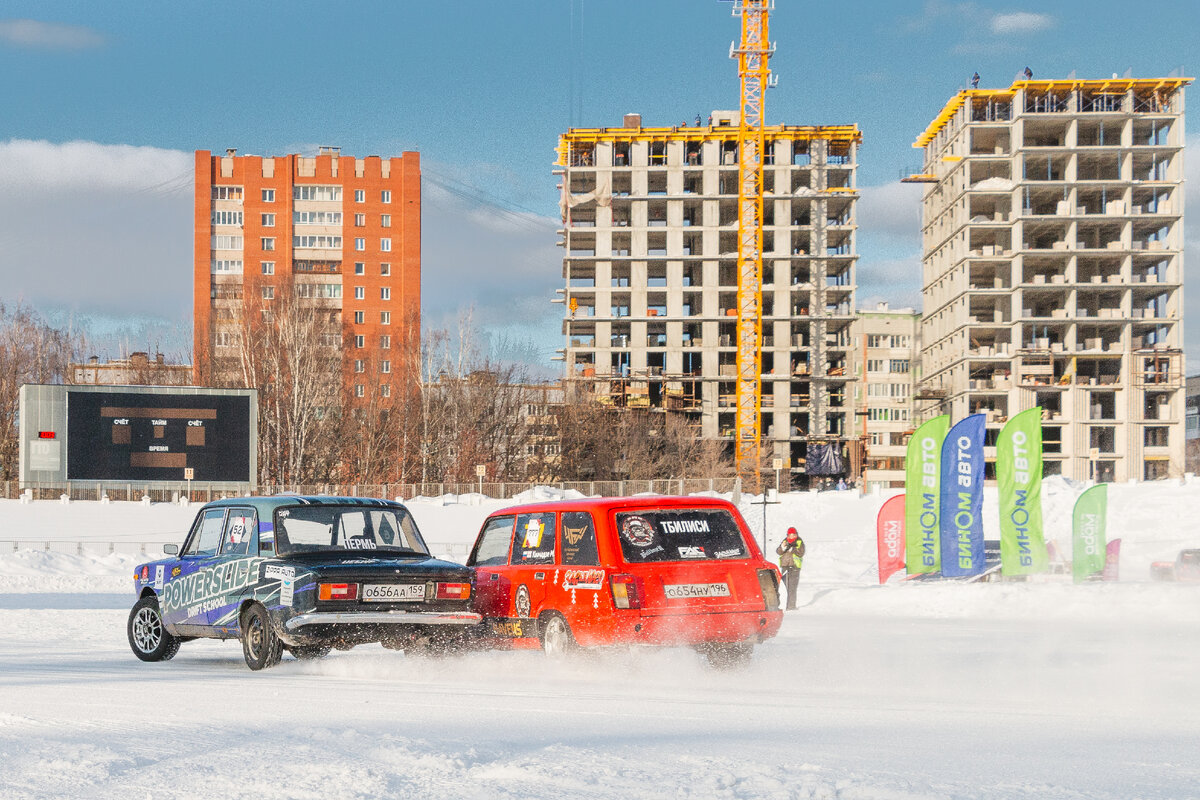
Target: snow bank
[(1153, 520)]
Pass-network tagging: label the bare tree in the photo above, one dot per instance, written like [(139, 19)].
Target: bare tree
[(31, 351), (290, 350)]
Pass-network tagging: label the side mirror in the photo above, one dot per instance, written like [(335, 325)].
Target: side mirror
[(171, 549)]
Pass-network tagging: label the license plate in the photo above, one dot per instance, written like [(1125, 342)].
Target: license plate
[(393, 592), (684, 591)]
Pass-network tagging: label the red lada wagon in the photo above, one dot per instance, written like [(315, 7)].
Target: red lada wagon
[(632, 570)]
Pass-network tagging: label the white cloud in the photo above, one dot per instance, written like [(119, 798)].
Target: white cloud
[(41, 166), (102, 235), (48, 35), (1020, 22), (892, 209)]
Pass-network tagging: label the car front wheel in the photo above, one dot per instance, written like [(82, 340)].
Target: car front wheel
[(148, 636), (260, 645), (557, 639)]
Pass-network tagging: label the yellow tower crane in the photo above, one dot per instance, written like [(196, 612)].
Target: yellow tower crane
[(752, 55)]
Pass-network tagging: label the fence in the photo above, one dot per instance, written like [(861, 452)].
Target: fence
[(501, 491)]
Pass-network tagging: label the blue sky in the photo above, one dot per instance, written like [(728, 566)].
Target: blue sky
[(482, 90)]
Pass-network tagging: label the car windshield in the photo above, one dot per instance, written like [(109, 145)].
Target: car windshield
[(679, 534), (361, 529)]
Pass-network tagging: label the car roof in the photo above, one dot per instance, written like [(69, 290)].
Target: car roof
[(606, 504), (268, 503)]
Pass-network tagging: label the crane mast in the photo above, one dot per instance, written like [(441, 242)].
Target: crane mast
[(752, 55)]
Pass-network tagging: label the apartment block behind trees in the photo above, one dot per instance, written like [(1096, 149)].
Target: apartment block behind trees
[(650, 218), (334, 237)]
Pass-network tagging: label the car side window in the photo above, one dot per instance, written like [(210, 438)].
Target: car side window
[(206, 539), (579, 539), (240, 528), (492, 548), (534, 539)]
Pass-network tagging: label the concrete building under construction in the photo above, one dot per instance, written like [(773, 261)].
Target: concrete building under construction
[(650, 232), (1053, 268)]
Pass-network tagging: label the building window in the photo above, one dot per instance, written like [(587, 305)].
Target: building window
[(329, 193), (360, 268), (359, 391), (360, 317), (385, 245), (385, 318), (385, 366), (226, 193), (876, 365), (385, 269), (360, 195), (268, 292), (360, 220), (317, 217), (386, 195), (321, 291), (227, 339), (268, 220), (268, 267), (360, 244), (268, 243), (385, 390), (385, 293), (227, 218), (360, 341), (226, 243), (900, 365), (386, 220), (385, 342), (359, 366), (226, 265), (317, 242), (360, 293), (268, 195)]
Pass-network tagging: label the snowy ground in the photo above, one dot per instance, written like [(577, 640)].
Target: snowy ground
[(901, 692)]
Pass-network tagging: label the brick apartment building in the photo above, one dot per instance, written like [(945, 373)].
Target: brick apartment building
[(330, 232)]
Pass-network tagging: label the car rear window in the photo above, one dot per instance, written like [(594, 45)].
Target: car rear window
[(679, 535), (332, 528)]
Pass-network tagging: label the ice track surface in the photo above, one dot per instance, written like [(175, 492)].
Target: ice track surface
[(866, 694)]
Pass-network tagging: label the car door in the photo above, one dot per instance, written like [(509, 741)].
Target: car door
[(583, 584), (237, 568), (184, 599), (489, 557), (532, 561)]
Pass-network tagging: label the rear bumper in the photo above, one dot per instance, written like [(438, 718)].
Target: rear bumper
[(383, 618), (691, 629)]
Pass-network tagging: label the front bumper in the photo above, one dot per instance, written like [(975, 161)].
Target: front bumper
[(382, 618)]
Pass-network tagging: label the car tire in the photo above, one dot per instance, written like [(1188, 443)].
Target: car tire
[(148, 637), (556, 636), (309, 652), (261, 646), (727, 655)]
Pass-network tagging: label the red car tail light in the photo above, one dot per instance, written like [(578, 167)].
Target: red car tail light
[(627, 591), (768, 581), (337, 591), (453, 591)]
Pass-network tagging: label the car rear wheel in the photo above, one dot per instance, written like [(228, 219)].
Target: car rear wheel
[(727, 655), (260, 645), (148, 636), (557, 639)]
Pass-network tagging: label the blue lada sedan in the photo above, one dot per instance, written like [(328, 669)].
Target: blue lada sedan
[(303, 574)]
